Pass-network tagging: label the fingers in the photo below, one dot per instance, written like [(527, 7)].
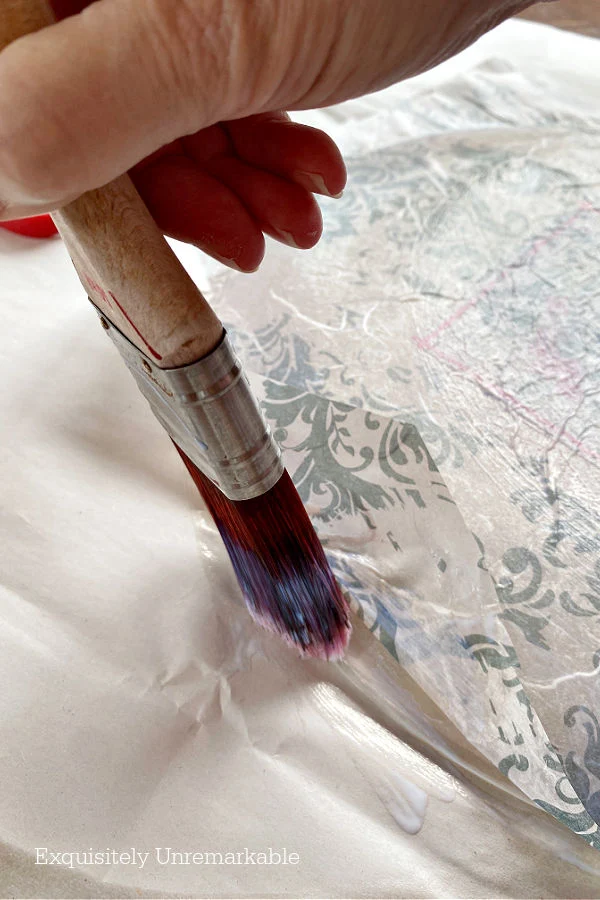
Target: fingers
[(273, 166), (190, 205), (223, 205), (282, 209), (199, 191), (296, 152), (87, 98), (84, 100), (278, 203)]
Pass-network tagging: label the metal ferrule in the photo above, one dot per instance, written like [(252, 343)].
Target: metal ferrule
[(210, 411)]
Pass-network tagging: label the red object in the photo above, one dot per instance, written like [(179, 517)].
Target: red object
[(37, 227)]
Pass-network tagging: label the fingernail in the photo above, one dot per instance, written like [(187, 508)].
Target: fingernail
[(314, 183), (230, 263), (286, 237)]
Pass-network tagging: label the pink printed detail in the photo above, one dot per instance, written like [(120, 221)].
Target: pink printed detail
[(560, 370), (514, 402), (425, 343)]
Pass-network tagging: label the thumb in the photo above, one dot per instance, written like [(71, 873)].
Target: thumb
[(85, 99)]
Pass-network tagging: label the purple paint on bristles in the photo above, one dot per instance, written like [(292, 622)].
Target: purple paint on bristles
[(280, 565)]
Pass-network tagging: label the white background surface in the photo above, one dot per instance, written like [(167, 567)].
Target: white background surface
[(139, 705)]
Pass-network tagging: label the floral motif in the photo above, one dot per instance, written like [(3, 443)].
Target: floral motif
[(350, 464), (522, 603), (424, 225), (569, 523), (585, 774), (332, 466)]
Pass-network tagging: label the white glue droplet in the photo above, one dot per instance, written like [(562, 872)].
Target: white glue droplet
[(389, 765), (405, 801)]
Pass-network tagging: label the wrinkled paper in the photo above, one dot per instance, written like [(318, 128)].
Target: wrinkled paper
[(430, 371)]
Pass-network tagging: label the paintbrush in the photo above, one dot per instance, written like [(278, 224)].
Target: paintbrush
[(182, 360)]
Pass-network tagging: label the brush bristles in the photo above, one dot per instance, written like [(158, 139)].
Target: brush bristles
[(280, 565)]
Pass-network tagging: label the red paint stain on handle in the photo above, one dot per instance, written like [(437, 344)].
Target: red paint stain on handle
[(136, 329), (96, 288), (109, 298)]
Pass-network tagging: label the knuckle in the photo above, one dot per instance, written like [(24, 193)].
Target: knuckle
[(215, 57), (34, 136), (189, 43), (25, 174)]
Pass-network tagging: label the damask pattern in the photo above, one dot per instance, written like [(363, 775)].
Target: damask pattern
[(449, 318), (373, 491)]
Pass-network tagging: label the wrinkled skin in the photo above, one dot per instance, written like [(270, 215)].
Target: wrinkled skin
[(187, 94)]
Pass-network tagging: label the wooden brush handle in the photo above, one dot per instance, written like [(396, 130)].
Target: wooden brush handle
[(133, 276), (122, 259)]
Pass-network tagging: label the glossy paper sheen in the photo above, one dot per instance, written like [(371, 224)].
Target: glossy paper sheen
[(431, 371)]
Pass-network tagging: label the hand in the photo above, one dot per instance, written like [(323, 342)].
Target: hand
[(187, 93)]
